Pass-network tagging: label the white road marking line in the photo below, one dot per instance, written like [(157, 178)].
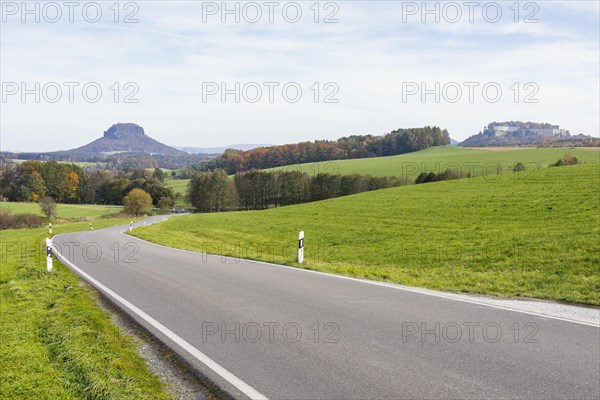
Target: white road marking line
[(204, 359)]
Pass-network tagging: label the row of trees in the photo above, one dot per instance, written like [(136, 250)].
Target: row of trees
[(257, 190), (447, 175), (363, 146), (120, 160), (32, 181)]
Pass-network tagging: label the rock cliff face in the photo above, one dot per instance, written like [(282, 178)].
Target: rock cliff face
[(121, 130), (127, 138)]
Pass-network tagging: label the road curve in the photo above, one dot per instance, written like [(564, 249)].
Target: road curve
[(260, 330)]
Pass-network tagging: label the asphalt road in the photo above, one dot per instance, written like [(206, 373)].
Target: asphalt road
[(260, 330)]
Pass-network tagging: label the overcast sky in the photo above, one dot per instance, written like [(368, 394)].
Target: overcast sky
[(177, 57)]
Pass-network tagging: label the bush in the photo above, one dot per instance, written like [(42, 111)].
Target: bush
[(14, 221), (568, 159), (519, 167), (137, 202), (165, 203), (447, 175), (426, 177)]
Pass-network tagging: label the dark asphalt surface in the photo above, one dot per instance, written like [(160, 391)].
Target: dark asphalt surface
[(294, 334)]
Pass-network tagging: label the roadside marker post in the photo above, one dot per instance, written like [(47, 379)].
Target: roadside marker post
[(50, 228), (301, 247), (48, 254), (130, 226), (91, 227)]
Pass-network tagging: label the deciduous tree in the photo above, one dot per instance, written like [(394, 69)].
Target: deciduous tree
[(137, 201), (48, 206)]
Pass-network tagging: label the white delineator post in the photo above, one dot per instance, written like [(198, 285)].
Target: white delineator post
[(130, 226), (50, 228), (48, 254), (91, 227), (301, 247)]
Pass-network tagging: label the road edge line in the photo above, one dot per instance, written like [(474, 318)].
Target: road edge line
[(194, 352)]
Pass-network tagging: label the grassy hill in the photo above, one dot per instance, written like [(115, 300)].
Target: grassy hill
[(533, 235), (66, 211), (477, 161)]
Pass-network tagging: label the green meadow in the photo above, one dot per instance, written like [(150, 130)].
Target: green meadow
[(528, 234), (477, 162), (178, 185), (56, 342), (64, 211)]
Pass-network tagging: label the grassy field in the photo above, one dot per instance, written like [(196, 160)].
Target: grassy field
[(56, 342), (178, 185), (529, 235), (65, 211), (475, 161)]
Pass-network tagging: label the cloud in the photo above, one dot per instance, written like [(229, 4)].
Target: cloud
[(369, 54)]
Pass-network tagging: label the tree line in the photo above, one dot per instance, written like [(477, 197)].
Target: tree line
[(357, 146), (119, 161), (31, 181), (257, 190)]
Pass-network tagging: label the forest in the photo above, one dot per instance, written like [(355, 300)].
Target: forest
[(357, 146)]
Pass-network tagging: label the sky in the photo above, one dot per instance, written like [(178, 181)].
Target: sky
[(202, 74)]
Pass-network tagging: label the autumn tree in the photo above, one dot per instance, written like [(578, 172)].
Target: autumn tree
[(137, 201), (72, 185)]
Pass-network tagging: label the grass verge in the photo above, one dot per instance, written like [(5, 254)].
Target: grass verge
[(56, 341), (533, 235)]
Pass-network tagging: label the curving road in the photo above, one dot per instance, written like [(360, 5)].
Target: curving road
[(260, 330)]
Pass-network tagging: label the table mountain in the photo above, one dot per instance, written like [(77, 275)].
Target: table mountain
[(126, 138)]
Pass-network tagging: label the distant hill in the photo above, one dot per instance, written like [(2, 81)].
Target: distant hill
[(123, 145), (126, 138), (220, 150), (518, 133)]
